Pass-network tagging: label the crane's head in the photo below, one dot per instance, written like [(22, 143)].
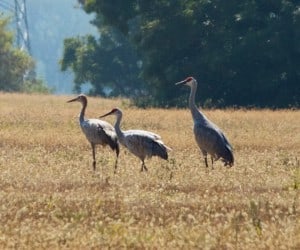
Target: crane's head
[(81, 98), (187, 81), (114, 111)]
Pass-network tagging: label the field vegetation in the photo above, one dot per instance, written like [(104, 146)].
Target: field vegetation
[(51, 198)]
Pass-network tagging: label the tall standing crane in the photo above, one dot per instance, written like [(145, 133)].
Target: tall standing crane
[(209, 136), (141, 143), (97, 131)]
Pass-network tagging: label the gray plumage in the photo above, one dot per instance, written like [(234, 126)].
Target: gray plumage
[(97, 131), (141, 143), (209, 136)]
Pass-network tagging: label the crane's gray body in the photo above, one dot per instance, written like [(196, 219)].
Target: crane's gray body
[(208, 136), (141, 143), (211, 140)]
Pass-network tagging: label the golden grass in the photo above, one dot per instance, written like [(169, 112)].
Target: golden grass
[(51, 198)]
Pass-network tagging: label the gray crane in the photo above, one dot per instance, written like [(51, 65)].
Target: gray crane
[(97, 131), (209, 136), (141, 143)]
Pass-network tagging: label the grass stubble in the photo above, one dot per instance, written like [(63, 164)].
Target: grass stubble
[(51, 198)]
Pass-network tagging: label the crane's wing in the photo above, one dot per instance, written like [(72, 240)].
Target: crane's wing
[(143, 143), (99, 132), (160, 149), (143, 133), (108, 134), (107, 128), (212, 140)]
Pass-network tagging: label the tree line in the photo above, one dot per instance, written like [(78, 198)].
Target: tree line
[(243, 53)]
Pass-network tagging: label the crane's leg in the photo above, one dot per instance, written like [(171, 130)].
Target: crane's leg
[(94, 156), (205, 157), (116, 165), (146, 169), (212, 162), (117, 157), (143, 166)]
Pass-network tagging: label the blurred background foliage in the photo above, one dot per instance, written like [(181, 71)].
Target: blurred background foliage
[(243, 53), (16, 65)]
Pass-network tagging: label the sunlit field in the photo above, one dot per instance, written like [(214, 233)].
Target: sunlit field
[(51, 198)]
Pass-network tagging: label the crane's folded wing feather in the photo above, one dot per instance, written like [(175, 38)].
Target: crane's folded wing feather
[(211, 139), (145, 144)]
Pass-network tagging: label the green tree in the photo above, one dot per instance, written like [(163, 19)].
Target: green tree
[(15, 64), (242, 52), (109, 64)]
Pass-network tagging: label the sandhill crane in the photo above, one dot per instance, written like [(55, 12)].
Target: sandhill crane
[(141, 143), (209, 136), (97, 131)]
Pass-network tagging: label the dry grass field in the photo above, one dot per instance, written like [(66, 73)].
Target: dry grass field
[(51, 198)]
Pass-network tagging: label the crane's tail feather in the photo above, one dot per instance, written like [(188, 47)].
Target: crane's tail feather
[(228, 158), (114, 145), (163, 145), (110, 139), (160, 150)]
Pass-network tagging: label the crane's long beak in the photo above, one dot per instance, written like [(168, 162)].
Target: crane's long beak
[(109, 113), (180, 83), (73, 100)]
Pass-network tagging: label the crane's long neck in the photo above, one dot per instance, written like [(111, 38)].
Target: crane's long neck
[(82, 112), (197, 115), (118, 130)]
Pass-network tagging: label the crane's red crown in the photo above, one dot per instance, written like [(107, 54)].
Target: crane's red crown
[(114, 110), (190, 78)]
